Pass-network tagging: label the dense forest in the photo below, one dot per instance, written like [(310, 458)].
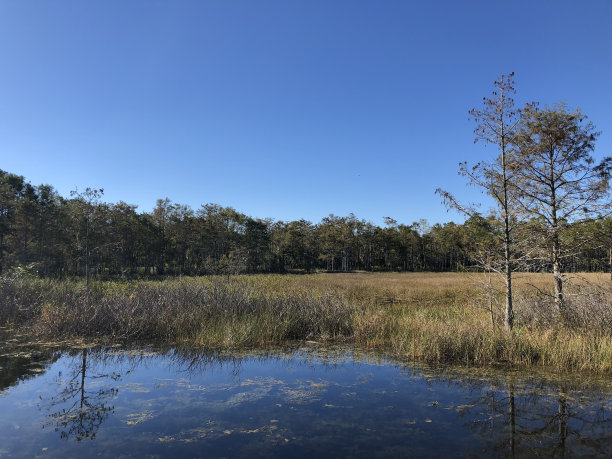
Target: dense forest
[(54, 236)]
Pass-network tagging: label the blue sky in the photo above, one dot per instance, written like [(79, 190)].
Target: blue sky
[(285, 109)]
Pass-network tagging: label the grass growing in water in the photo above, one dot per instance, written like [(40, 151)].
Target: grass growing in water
[(430, 317)]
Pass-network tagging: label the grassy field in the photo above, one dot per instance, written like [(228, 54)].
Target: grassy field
[(423, 316)]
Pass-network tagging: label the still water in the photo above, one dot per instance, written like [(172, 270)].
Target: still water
[(305, 401)]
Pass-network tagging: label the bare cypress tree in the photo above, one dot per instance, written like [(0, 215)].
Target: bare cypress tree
[(496, 122), (557, 180)]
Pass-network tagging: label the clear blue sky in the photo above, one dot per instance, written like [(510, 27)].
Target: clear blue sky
[(285, 109)]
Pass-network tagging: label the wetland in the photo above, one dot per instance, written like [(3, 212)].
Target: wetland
[(299, 366)]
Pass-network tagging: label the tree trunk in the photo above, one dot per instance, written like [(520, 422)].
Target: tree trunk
[(87, 256), (507, 241), (610, 262), (512, 419), (559, 304), (556, 245), (509, 305)]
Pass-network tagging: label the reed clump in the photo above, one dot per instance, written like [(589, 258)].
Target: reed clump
[(212, 311), (429, 317)]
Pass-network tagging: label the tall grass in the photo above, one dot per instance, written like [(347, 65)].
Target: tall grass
[(212, 311), (430, 317)]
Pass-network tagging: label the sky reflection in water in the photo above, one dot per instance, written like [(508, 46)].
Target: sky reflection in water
[(305, 402)]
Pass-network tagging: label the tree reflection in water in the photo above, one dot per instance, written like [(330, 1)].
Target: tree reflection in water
[(509, 414), (540, 418), (77, 411)]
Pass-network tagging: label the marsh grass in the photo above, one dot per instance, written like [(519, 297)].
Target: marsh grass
[(428, 317)]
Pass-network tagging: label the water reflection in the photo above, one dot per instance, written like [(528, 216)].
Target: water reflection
[(290, 402), (19, 365), (80, 406), (517, 417)]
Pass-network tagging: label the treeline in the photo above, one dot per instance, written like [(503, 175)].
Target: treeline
[(54, 236)]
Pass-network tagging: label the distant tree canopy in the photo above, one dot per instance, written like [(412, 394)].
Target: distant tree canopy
[(53, 236)]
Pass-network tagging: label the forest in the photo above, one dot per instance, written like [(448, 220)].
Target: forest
[(52, 236)]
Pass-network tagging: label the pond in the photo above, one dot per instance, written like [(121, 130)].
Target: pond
[(306, 400)]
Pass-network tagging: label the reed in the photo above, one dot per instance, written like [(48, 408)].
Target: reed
[(423, 316)]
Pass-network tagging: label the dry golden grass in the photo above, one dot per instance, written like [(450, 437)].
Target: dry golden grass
[(425, 316)]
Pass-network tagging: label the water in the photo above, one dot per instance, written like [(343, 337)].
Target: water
[(305, 401)]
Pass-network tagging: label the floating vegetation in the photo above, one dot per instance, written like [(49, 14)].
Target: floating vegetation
[(258, 403), (138, 418), (134, 387)]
